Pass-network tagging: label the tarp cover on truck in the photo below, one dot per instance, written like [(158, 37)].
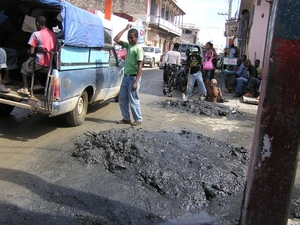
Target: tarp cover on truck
[(81, 28)]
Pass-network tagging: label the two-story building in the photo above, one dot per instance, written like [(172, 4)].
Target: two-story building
[(254, 17), (162, 18)]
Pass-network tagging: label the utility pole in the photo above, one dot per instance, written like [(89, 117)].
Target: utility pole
[(229, 16), (276, 144)]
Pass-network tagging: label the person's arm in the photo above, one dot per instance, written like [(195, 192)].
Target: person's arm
[(138, 75), (167, 58), (139, 56), (178, 60), (31, 50), (119, 35), (239, 70)]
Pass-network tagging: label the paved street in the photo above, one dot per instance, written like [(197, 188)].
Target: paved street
[(35, 151)]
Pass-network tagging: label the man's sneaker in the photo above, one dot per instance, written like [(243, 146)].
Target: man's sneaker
[(124, 121), (136, 123)]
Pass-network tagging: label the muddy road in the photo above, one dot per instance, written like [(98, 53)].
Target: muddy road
[(179, 167)]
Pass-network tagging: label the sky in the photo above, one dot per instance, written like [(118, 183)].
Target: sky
[(204, 14)]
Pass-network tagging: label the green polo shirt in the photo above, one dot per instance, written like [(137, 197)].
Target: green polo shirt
[(135, 53)]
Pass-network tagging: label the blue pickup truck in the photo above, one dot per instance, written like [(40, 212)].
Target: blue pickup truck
[(85, 66)]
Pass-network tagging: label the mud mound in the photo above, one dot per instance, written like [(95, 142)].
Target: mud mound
[(296, 208), (187, 168), (200, 107)]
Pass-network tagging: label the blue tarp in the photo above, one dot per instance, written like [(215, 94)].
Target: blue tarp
[(81, 28)]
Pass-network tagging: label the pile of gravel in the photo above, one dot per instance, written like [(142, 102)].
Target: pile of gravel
[(200, 107), (186, 167)]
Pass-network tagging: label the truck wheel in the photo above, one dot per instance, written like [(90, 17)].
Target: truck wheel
[(77, 115), (152, 63), (117, 98), (165, 76), (5, 110)]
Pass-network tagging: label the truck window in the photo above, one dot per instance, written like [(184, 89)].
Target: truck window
[(70, 54), (99, 56)]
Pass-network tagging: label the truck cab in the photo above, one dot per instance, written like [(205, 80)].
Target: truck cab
[(85, 68)]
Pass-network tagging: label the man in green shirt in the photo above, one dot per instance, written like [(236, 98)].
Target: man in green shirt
[(129, 92)]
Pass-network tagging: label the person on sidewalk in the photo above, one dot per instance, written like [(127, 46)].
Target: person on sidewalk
[(194, 62), (129, 93), (243, 78), (3, 66), (45, 41), (237, 71), (254, 82)]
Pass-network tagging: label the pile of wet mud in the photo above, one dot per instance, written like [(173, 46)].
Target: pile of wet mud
[(295, 208), (200, 107), (188, 168)]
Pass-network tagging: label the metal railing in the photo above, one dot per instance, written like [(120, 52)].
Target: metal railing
[(164, 24)]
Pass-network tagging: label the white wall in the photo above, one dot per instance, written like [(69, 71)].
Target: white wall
[(258, 33)]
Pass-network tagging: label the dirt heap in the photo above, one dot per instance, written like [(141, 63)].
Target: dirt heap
[(186, 168), (200, 107)]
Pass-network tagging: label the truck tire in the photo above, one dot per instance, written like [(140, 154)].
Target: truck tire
[(77, 116), (117, 98), (5, 110)]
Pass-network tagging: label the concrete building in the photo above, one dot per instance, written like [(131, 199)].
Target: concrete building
[(253, 28), (190, 34), (162, 18)]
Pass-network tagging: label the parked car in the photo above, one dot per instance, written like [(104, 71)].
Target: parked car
[(84, 71), (151, 55), (121, 52)]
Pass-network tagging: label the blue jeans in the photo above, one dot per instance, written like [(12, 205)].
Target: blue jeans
[(130, 98), (196, 77), (240, 81)]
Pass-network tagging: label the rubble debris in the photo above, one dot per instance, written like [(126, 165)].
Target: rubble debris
[(200, 107), (186, 167)]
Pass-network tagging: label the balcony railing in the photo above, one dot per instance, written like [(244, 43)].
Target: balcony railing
[(164, 24)]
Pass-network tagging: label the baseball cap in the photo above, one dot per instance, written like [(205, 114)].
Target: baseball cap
[(194, 49)]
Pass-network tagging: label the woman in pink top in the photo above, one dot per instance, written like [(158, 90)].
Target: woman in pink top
[(208, 55)]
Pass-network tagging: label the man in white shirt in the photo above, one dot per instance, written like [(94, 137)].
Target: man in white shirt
[(172, 63), (173, 56)]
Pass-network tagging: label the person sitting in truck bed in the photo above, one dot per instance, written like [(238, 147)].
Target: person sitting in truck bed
[(41, 41)]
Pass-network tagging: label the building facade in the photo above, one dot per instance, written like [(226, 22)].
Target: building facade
[(190, 34), (253, 32)]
